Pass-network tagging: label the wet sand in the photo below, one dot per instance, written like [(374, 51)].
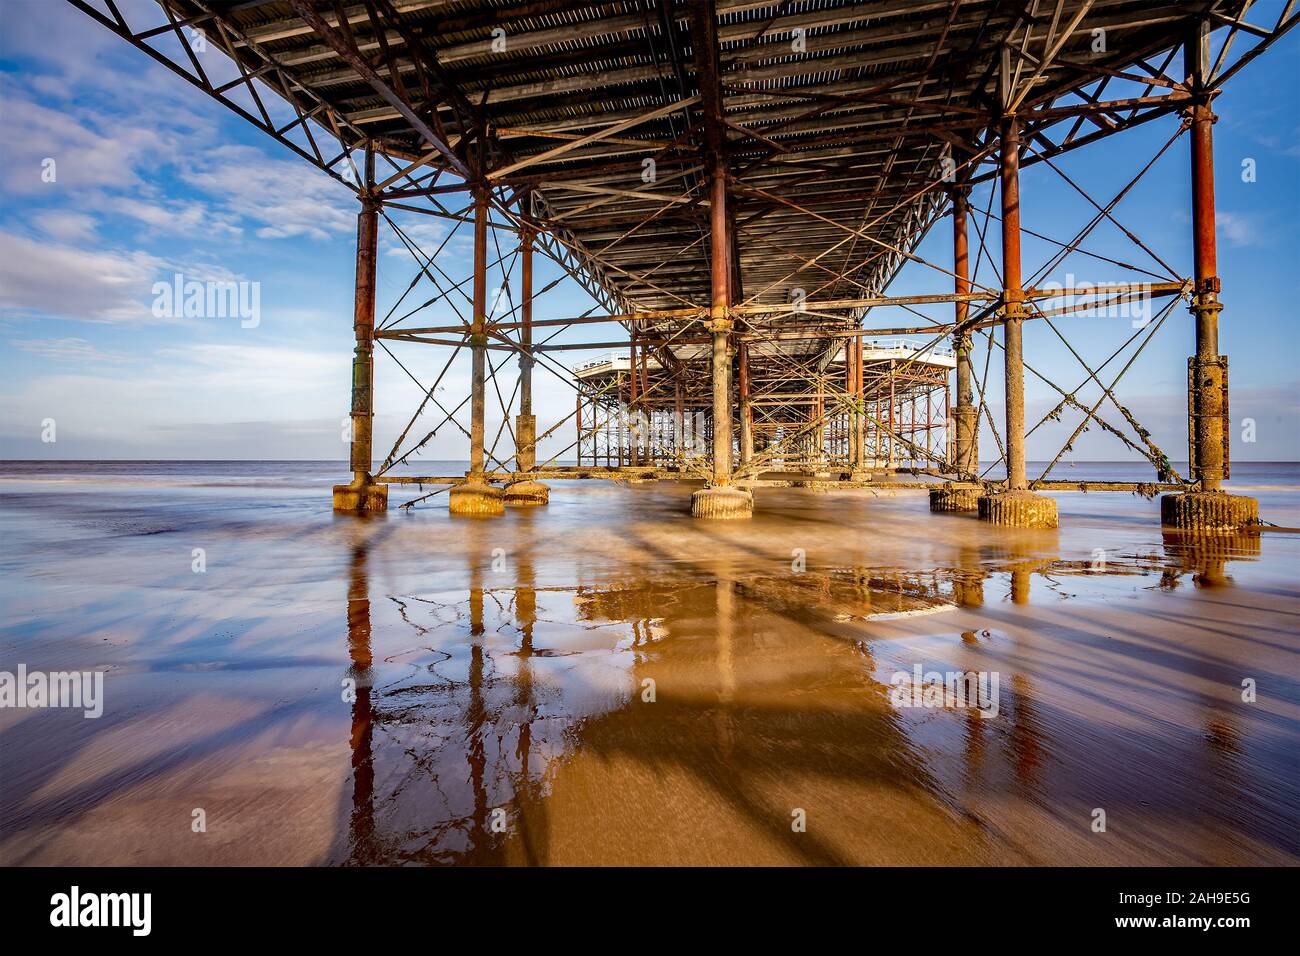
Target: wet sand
[(501, 664)]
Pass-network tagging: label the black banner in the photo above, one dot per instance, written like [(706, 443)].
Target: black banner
[(212, 906)]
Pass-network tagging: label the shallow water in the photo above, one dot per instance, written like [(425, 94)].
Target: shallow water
[(501, 710)]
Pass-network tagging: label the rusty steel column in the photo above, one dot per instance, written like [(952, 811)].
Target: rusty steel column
[(646, 418), (475, 496), (363, 325), (1017, 506), (679, 426), (860, 397), (746, 419), (1209, 509), (889, 462), (633, 396), (1206, 369), (363, 494), (850, 392), (720, 499), (478, 334), (525, 490), (720, 325), (964, 423), (527, 457), (577, 417), (1012, 305), (967, 415)]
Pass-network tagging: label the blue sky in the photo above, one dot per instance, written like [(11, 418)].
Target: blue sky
[(154, 179)]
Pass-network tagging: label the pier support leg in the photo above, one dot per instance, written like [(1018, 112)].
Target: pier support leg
[(525, 490), (1210, 509), (475, 496), (363, 493), (858, 462), (746, 413), (721, 499), (963, 495), (1017, 506)]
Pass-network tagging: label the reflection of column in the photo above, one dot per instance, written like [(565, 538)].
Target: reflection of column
[(526, 618), (1020, 579), (975, 745), (725, 611), (475, 601), (362, 824), (1026, 737), (1206, 556), (968, 581), (476, 713)]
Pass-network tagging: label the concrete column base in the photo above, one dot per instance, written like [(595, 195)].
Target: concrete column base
[(527, 492), (956, 498), (361, 497), (1018, 509), (474, 496), (722, 502), (1214, 512)]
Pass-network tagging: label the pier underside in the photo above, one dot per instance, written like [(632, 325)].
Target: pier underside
[(735, 185)]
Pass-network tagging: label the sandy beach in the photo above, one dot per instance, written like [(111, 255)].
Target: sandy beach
[(607, 681)]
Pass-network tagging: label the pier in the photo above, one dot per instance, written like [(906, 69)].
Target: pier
[(736, 184)]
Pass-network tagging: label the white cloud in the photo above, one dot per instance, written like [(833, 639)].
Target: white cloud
[(165, 403), (89, 150), (284, 197), (65, 225), (72, 350), (1237, 228), (54, 279), (425, 235), (179, 217)]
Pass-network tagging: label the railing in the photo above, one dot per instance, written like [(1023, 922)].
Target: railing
[(907, 346), (609, 358)]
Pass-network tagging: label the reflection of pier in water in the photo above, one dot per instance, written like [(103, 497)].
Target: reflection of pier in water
[(463, 767)]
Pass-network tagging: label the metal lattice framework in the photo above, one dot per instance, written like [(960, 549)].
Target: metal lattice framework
[(736, 184)]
